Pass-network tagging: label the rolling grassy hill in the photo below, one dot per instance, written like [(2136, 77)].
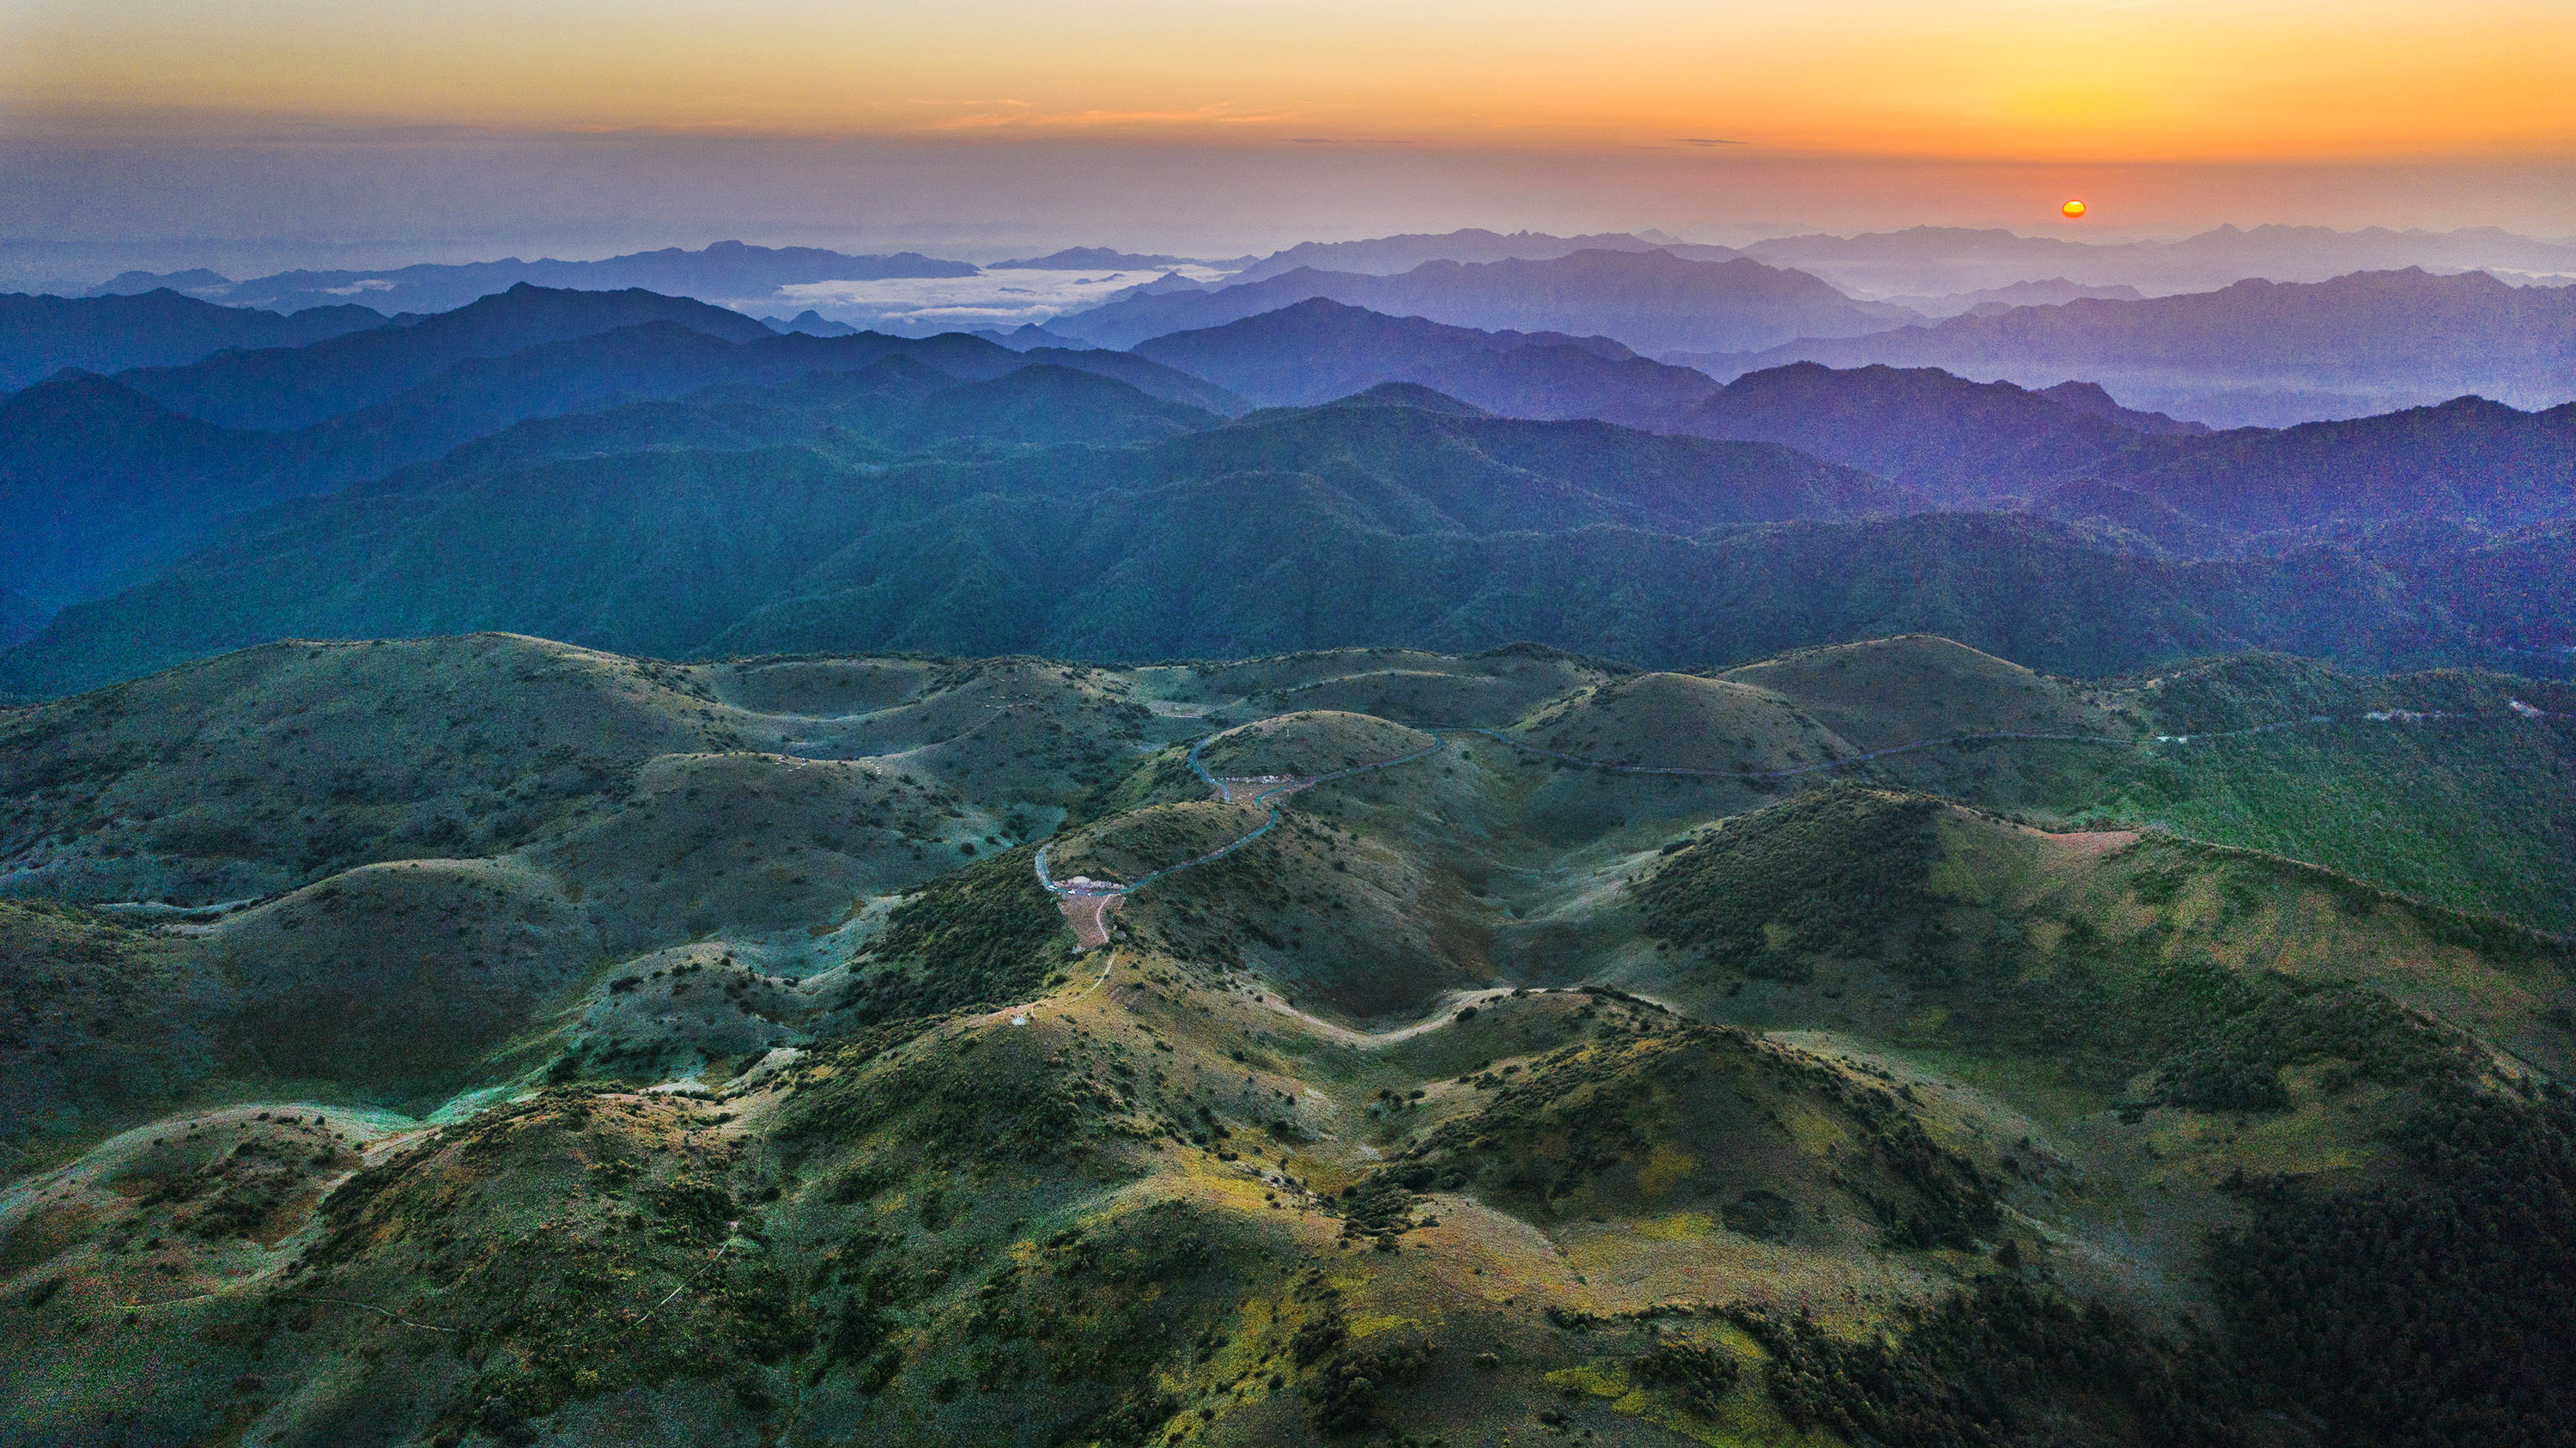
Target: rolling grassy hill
[(486, 1039)]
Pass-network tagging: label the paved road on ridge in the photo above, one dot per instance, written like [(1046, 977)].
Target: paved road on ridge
[(1267, 798)]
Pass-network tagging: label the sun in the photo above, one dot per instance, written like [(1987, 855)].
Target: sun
[(2073, 209)]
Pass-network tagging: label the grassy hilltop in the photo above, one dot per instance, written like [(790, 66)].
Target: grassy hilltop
[(487, 1040)]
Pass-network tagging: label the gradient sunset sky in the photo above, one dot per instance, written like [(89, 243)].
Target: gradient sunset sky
[(1860, 112)]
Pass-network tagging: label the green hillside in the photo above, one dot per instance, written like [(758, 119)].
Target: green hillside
[(497, 1041)]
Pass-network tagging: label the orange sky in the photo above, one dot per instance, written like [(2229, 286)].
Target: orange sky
[(2139, 80)]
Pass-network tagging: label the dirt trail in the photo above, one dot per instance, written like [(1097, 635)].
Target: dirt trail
[(1089, 916), (1440, 1015)]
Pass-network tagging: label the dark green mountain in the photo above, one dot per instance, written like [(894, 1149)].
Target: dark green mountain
[(20, 617), (2519, 592), (100, 484), (672, 548), (1268, 563), (2469, 458), (1969, 443), (1046, 404), (1290, 529), (661, 360), (42, 335), (2142, 519), (1142, 373), (279, 388)]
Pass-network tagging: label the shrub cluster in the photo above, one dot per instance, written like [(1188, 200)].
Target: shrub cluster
[(2001, 1363), (978, 937), (2422, 1314), (1832, 872)]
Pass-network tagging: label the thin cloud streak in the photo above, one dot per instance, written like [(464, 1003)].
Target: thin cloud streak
[(1107, 120)]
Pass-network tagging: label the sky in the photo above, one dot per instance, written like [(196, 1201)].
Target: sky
[(1243, 124)]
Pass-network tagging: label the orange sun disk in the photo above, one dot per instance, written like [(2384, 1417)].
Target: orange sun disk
[(2073, 209)]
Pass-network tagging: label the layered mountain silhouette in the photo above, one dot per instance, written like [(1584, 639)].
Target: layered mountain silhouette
[(495, 534), (42, 335), (1929, 259), (2094, 400), (810, 321), (2257, 351), (1387, 255), (1964, 443), (1988, 301), (1871, 906), (100, 484), (1092, 258), (724, 270), (100, 478), (1320, 349), (287, 387), (1648, 299), (103, 481), (1960, 443), (1378, 517), (2468, 458)]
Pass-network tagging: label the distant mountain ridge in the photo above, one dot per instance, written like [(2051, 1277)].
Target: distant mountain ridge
[(280, 387), (500, 541), (1989, 301), (40, 336), (1979, 444), (1928, 259), (1961, 443), (1388, 255), (720, 271), (1646, 299), (102, 480), (100, 484), (1318, 349), (1431, 428), (2258, 351), (2094, 400), (1092, 258), (1397, 516)]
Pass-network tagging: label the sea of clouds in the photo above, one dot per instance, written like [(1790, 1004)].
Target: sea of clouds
[(998, 298)]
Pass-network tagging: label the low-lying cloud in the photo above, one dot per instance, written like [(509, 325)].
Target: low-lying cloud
[(999, 297)]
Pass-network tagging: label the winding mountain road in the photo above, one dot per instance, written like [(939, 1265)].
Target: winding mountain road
[(1280, 787)]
